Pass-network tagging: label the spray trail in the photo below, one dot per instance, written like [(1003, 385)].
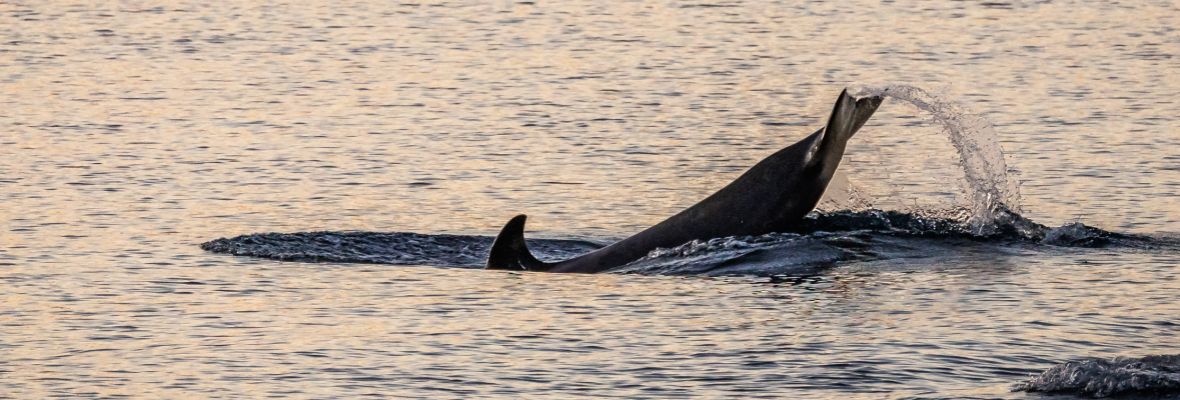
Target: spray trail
[(993, 195)]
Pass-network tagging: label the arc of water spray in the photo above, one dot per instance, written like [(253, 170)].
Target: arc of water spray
[(993, 194)]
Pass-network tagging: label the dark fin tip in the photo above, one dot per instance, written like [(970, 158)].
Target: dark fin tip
[(509, 250)]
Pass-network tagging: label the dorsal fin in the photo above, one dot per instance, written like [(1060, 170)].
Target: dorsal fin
[(509, 250)]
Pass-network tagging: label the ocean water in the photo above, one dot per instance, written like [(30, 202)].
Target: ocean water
[(381, 144)]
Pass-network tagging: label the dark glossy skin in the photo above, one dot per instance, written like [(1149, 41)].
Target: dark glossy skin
[(772, 196)]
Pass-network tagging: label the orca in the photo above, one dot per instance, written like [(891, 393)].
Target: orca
[(772, 196)]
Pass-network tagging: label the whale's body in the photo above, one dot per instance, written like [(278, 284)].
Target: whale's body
[(771, 196)]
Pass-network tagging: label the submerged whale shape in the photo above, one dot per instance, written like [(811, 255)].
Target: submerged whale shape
[(772, 196)]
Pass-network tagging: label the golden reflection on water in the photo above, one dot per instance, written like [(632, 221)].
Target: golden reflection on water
[(539, 76), (134, 131)]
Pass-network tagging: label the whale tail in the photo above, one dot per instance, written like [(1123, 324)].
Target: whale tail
[(848, 115), (509, 250)]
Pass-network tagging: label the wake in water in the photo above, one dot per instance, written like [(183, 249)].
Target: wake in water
[(397, 248), (1146, 376), (827, 239), (822, 240)]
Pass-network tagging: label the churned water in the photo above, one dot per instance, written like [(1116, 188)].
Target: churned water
[(1005, 226)]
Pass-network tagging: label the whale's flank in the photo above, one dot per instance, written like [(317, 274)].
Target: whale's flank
[(772, 196)]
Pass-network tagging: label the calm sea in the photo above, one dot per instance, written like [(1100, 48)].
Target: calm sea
[(132, 132)]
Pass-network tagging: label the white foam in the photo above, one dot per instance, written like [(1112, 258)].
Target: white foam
[(992, 192)]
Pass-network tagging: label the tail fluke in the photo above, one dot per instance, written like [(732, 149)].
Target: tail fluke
[(848, 115), (509, 250)]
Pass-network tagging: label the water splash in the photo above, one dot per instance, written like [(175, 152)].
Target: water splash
[(993, 194), (1152, 375), (824, 239)]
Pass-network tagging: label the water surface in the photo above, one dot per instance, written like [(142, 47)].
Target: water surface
[(132, 133)]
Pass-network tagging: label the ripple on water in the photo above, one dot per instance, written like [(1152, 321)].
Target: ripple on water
[(131, 135)]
